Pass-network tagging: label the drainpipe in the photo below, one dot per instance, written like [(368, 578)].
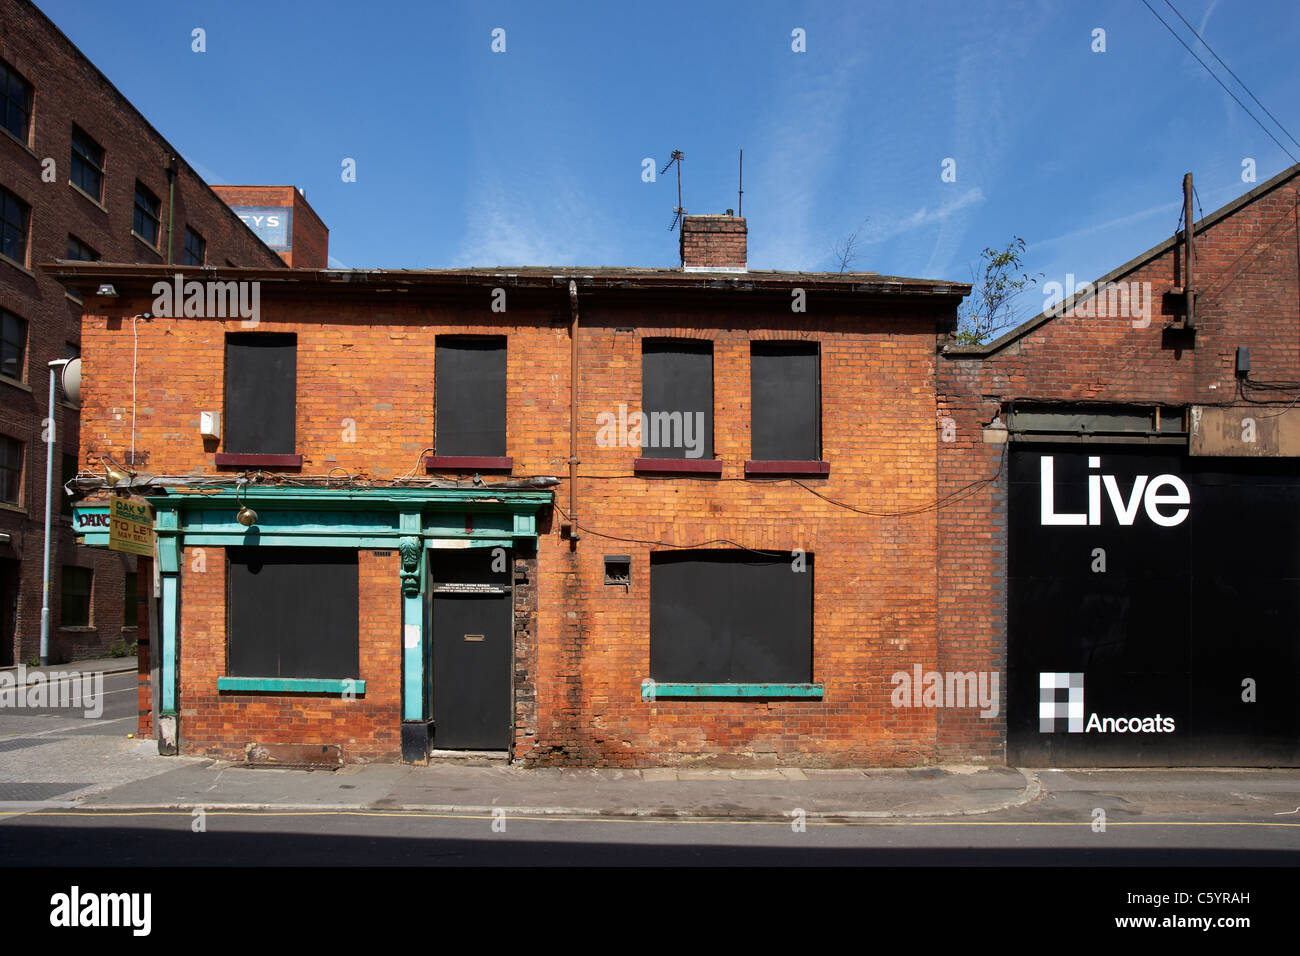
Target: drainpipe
[(1188, 251), (573, 410), (171, 204)]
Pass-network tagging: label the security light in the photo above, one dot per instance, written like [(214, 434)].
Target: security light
[(107, 290), (113, 473)]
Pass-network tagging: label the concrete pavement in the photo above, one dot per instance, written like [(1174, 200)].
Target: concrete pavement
[(112, 773), (662, 793)]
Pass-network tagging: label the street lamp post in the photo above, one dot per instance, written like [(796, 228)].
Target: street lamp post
[(49, 495)]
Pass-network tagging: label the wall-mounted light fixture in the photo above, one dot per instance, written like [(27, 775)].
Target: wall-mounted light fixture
[(114, 474), (246, 515)]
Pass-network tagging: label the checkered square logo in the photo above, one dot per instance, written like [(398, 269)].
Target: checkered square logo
[(1060, 702)]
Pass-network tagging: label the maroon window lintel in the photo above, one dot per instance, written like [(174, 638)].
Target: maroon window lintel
[(787, 467), (258, 461), (678, 466), (467, 463)]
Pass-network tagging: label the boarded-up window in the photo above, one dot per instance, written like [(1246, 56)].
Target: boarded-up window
[(676, 399), (731, 617), (469, 378), (74, 598), (11, 469), (261, 393), (293, 612), (786, 402)]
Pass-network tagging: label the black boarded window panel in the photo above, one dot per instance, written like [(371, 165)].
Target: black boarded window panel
[(293, 612), (676, 399), (261, 393), (730, 617), (786, 402), (470, 396)]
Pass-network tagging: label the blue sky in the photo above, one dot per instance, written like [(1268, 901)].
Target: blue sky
[(534, 156)]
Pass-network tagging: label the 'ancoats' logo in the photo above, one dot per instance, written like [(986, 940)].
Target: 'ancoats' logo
[(1060, 707)]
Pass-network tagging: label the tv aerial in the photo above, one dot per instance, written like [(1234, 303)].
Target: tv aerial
[(676, 159)]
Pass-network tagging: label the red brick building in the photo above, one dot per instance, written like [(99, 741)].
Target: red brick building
[(1126, 505), (439, 481), (283, 220), (82, 176)]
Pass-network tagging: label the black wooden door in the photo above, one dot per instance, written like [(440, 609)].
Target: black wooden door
[(8, 610), (470, 618)]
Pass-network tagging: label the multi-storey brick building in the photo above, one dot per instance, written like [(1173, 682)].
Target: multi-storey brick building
[(82, 176), (616, 516), (1123, 536)]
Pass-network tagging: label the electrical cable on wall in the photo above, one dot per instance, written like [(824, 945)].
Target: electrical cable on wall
[(962, 493)]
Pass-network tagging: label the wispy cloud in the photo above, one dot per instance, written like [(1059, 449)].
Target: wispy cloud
[(540, 224), (1113, 223), (1170, 209), (209, 177), (799, 149), (888, 228)]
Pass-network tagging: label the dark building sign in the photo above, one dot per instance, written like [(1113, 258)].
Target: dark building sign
[(1153, 609)]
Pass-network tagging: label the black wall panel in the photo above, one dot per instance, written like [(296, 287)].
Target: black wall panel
[(293, 612), (1180, 618), (677, 378), (729, 617), (261, 393), (470, 395), (786, 402)]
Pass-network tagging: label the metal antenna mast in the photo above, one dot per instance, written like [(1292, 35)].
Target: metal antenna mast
[(677, 158), (740, 199)]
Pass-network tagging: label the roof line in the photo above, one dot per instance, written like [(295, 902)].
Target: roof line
[(1064, 306), (537, 277)]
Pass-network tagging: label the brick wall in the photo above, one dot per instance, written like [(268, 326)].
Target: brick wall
[(309, 239), (582, 649), (224, 724)]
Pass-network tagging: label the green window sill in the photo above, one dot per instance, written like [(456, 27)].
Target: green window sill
[(293, 685), (651, 690)]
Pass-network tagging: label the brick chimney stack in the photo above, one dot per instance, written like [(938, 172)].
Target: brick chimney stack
[(716, 243)]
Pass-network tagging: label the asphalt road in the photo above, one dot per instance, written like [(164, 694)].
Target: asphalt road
[(394, 838), (119, 708)]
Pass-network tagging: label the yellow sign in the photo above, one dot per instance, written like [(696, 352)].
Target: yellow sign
[(130, 527)]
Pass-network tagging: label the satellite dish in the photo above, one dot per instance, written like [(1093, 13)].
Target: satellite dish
[(71, 381)]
